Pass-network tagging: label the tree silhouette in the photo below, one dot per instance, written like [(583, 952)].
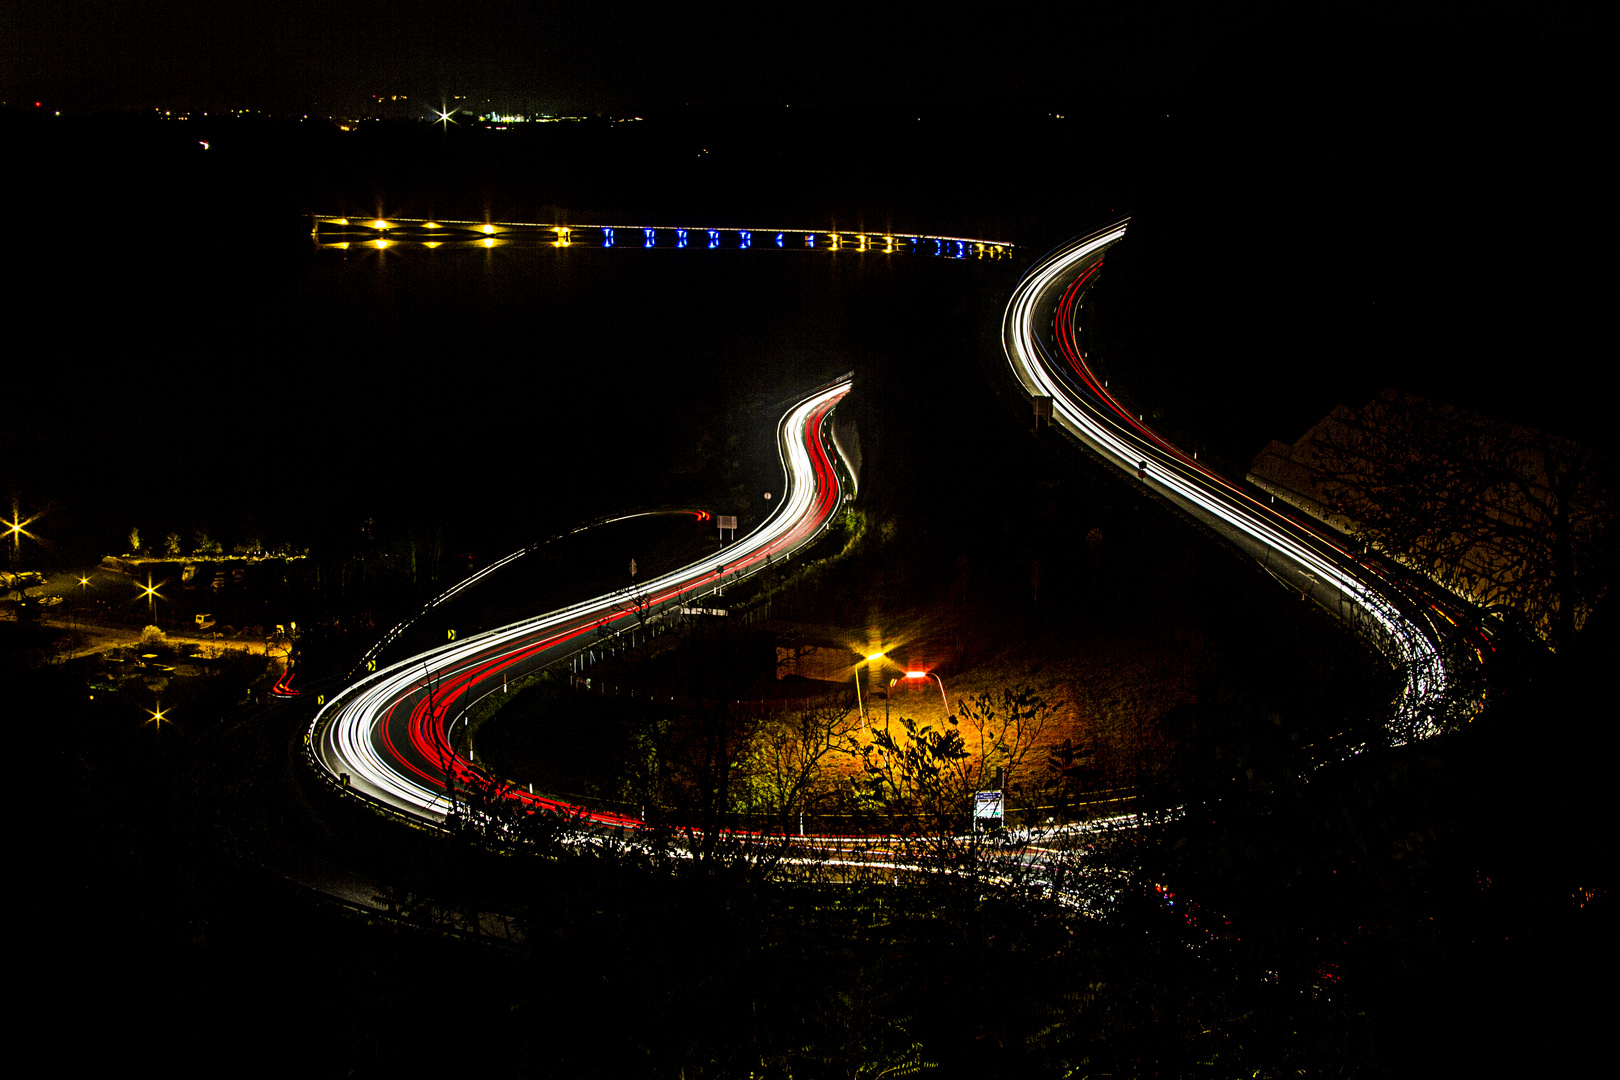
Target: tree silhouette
[(1499, 513)]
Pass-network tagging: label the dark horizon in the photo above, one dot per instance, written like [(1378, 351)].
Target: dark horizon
[(323, 59)]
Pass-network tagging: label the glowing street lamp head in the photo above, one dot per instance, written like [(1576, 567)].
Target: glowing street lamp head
[(875, 656), (159, 716), (17, 526), (916, 674)]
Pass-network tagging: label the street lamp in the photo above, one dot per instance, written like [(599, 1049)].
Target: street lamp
[(159, 717), (936, 678), (84, 584), (17, 528), (867, 660), (150, 592)]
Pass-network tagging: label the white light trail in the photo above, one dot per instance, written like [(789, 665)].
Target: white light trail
[(346, 732), (1196, 487)]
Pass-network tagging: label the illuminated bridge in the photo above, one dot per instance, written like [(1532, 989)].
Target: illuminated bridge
[(344, 232)]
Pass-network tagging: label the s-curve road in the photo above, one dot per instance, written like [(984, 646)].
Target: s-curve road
[(388, 733), (1411, 621)]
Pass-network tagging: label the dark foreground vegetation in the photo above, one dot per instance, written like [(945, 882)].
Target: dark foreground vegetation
[(1439, 907)]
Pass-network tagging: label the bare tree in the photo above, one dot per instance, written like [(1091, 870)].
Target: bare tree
[(1499, 513), (785, 763)]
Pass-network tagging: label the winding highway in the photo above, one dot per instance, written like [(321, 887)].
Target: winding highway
[(387, 736), (1410, 621)]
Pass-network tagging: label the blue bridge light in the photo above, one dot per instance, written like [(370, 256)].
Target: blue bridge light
[(649, 234), (778, 239), (961, 250), (745, 239), (714, 238), (810, 239), (680, 238), (607, 237)]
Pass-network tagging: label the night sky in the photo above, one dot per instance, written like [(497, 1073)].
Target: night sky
[(592, 56), (637, 57)]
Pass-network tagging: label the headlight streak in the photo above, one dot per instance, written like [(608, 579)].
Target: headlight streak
[(382, 731), (1121, 438)]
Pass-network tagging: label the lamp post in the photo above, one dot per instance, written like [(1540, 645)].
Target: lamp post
[(84, 583), (936, 678), (859, 703), (150, 591), (17, 528)]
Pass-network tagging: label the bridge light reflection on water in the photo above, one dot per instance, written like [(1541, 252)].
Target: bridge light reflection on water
[(403, 233)]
